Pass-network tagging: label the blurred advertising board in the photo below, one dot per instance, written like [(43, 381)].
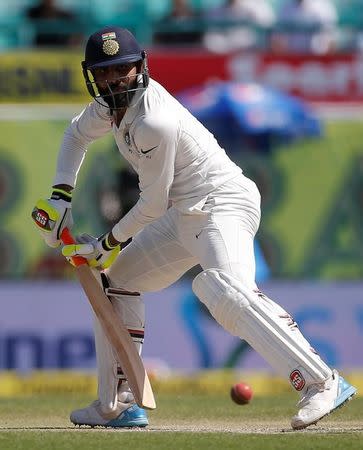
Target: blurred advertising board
[(42, 76), (329, 78), (51, 77), (49, 325)]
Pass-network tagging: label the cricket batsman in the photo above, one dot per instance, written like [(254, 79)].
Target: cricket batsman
[(195, 207)]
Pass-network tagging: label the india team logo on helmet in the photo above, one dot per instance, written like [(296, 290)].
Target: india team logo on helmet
[(115, 46), (110, 45)]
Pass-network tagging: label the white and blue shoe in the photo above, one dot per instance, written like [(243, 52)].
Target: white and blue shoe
[(129, 417), (322, 399)]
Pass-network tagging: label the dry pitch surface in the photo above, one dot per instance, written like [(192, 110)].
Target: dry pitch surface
[(180, 422), (326, 426)]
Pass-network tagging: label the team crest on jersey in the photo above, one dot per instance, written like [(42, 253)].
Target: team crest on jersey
[(127, 138)]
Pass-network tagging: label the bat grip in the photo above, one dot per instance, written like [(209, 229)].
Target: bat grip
[(68, 239)]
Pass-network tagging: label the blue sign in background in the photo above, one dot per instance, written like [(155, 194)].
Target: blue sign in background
[(49, 325)]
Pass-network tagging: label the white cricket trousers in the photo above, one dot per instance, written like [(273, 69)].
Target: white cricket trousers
[(219, 236)]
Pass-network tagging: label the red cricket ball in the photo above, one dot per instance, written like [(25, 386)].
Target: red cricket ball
[(241, 393)]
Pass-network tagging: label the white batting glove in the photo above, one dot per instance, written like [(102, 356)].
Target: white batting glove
[(52, 215), (98, 251)]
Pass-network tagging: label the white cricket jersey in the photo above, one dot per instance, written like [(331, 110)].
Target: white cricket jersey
[(176, 158)]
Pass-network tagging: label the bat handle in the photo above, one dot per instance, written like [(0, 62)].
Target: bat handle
[(68, 239)]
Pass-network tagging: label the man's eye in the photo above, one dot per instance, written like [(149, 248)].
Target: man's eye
[(99, 72), (124, 67)]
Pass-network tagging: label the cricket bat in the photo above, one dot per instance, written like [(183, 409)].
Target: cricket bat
[(116, 332)]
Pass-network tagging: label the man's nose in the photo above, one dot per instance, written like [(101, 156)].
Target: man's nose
[(111, 74)]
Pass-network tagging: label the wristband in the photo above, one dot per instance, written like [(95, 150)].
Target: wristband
[(106, 244), (61, 194)]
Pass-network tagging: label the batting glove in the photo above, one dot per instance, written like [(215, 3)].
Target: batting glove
[(98, 251), (52, 215)]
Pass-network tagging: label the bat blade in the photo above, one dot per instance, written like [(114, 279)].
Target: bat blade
[(116, 333), (119, 338)]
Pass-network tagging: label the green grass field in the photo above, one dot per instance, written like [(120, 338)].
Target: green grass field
[(180, 422)]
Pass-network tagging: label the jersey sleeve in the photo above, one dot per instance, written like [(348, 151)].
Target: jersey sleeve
[(156, 140), (92, 123)]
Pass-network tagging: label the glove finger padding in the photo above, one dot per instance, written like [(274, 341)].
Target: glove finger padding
[(98, 252), (51, 216), (78, 250)]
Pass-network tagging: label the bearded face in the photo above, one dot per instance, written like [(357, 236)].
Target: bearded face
[(116, 84), (118, 94)]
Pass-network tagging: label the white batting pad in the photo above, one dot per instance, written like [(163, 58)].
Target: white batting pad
[(267, 327)]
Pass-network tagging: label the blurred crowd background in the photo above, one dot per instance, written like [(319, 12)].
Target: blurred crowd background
[(318, 26), (280, 84)]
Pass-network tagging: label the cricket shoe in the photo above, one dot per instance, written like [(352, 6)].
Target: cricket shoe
[(92, 415), (321, 399)]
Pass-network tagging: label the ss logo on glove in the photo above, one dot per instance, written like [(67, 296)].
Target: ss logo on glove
[(42, 219)]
